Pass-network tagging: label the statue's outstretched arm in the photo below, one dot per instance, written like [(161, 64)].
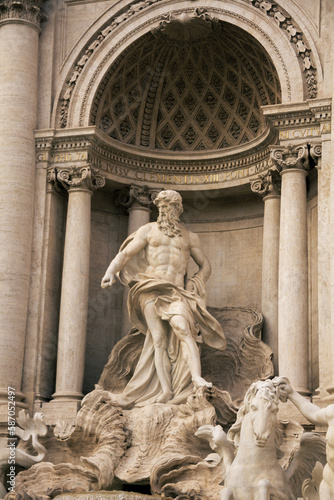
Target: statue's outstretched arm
[(122, 258), (310, 411)]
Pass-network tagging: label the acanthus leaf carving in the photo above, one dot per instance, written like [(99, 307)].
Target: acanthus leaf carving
[(29, 10)]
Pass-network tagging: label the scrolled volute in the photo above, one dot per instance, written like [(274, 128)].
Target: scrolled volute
[(77, 178), (288, 157), (267, 183), (142, 194)]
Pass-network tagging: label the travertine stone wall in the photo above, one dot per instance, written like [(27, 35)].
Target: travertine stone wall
[(104, 321)]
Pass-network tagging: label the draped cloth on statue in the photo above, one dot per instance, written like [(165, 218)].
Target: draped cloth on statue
[(169, 300)]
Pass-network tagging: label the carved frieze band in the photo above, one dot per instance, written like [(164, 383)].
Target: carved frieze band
[(283, 19), (286, 23), (73, 177), (141, 194), (268, 183), (303, 157), (29, 10)]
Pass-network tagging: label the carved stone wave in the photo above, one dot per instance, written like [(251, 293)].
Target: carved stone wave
[(153, 445)]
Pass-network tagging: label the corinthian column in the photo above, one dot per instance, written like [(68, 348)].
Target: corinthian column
[(294, 164), (268, 187), (19, 31), (80, 182), (137, 199)]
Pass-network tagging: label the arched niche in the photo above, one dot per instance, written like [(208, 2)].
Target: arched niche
[(180, 88), (105, 50)]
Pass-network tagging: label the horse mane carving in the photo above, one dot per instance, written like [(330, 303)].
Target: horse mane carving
[(267, 392)]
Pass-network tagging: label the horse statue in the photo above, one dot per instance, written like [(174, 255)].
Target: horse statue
[(250, 451)]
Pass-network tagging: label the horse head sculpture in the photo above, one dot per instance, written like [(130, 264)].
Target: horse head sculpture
[(251, 449), (258, 417)]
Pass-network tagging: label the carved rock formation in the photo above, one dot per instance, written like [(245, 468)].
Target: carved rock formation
[(155, 444)]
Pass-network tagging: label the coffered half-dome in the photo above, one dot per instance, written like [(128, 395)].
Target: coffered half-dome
[(192, 84)]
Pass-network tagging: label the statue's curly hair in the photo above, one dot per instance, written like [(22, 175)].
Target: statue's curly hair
[(170, 196)]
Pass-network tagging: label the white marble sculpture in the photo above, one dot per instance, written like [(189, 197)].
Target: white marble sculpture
[(27, 428), (250, 451), (318, 416), (166, 306)]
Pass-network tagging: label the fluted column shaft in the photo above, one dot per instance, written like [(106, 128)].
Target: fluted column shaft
[(75, 282), (18, 107)]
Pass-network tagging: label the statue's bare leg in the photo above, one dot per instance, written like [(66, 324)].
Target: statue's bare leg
[(181, 329), (163, 367)]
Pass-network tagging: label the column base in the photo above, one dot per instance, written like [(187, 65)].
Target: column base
[(324, 401), (58, 411), (304, 392), (330, 389), (67, 396), (288, 411)]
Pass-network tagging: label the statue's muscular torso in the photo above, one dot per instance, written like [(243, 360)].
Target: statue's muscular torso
[(167, 256)]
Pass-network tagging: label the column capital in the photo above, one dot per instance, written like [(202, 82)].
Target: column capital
[(303, 157), (267, 184), (143, 195), (75, 178), (22, 10)]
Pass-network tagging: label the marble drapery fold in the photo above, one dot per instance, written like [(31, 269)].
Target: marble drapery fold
[(169, 300)]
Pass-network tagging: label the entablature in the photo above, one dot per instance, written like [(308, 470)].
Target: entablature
[(127, 164)]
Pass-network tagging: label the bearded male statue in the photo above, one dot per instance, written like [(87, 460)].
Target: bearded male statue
[(165, 306)]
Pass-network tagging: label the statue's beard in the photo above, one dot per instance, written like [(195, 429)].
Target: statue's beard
[(169, 223)]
